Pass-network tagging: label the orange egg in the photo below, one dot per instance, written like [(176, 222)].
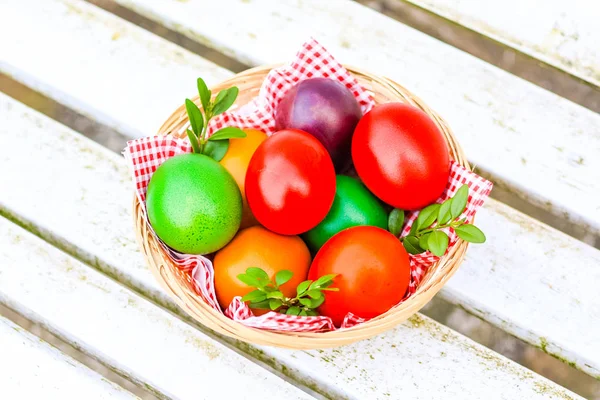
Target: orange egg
[(236, 161), (259, 247)]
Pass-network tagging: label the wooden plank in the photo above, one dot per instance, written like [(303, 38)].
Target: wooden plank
[(31, 368), (97, 64), (561, 33), (130, 335), (97, 225), (537, 144), (173, 360)]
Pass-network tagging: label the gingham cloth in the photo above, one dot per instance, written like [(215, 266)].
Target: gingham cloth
[(146, 154)]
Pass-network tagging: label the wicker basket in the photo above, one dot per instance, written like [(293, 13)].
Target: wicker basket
[(178, 284)]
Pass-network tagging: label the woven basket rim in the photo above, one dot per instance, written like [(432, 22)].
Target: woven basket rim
[(177, 284)]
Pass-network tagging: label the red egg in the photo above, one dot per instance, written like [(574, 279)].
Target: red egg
[(290, 182)]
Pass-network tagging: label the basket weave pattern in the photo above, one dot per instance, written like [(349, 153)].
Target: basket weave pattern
[(179, 284)]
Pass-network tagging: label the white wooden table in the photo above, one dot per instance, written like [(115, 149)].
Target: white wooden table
[(69, 261)]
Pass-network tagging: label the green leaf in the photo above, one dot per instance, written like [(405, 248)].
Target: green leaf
[(274, 304), (302, 287), (427, 216), (306, 302), (283, 276), (438, 242), (395, 221), (224, 100), (275, 295), (323, 280), (293, 310), (255, 296), (423, 241), (444, 213), (312, 313), (315, 294), (258, 273), (317, 302), (303, 313), (470, 233), (204, 94), (229, 132), (459, 201), (249, 280), (411, 244), (413, 229), (216, 149), (195, 117), (193, 141), (262, 305)]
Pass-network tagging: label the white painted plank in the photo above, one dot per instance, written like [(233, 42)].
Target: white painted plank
[(32, 369), (97, 64), (542, 146), (128, 333), (170, 358), (561, 33), (102, 214)]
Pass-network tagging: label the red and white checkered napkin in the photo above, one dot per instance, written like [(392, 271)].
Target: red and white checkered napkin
[(146, 154)]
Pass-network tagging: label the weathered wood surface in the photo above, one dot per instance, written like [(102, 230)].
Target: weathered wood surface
[(96, 226), (32, 369), (127, 333), (99, 65), (561, 33), (537, 144)]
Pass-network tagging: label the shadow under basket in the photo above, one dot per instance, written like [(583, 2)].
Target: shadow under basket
[(179, 286)]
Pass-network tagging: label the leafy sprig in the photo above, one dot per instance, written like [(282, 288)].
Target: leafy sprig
[(217, 144), (267, 295), (427, 232)]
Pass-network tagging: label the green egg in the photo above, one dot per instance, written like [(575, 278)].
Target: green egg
[(194, 204), (353, 205)]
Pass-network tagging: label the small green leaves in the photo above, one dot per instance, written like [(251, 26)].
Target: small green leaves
[(413, 229), (317, 302), (395, 221), (427, 216), (294, 310), (204, 94), (459, 201), (305, 302), (444, 213), (216, 149), (249, 280), (274, 304), (255, 296), (283, 276), (193, 141), (262, 305), (268, 296), (426, 233), (437, 242), (411, 244), (224, 100), (228, 132), (195, 117), (257, 273), (303, 287), (217, 145), (470, 233), (322, 281), (423, 241), (276, 294)]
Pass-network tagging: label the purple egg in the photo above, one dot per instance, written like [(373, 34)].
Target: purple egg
[(326, 109)]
